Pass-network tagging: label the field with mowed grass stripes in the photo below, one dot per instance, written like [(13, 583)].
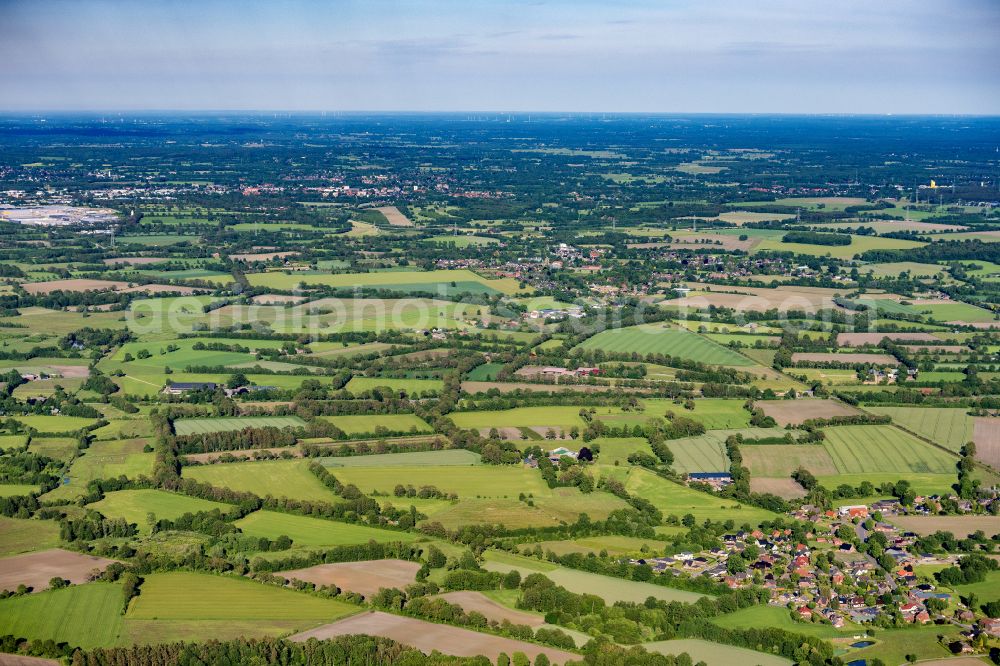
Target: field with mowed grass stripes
[(882, 448), (82, 615), (196, 606), (664, 339), (277, 478), (707, 453), (199, 426), (949, 427), (181, 595)]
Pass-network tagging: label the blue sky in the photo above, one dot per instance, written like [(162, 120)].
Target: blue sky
[(713, 56)]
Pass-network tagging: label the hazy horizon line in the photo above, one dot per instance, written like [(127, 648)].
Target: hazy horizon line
[(497, 112)]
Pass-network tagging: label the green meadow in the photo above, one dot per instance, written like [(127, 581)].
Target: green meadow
[(136, 505), (304, 531), (664, 339), (277, 478)]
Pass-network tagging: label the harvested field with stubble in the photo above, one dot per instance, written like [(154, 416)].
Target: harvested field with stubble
[(784, 488), (365, 578), (36, 569), (428, 636), (757, 299), (276, 299), (395, 216), (831, 357), (24, 660), (245, 454), (861, 339), (798, 411), (491, 610), (960, 526), (79, 284), (986, 435)]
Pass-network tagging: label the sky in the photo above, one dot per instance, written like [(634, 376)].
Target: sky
[(670, 56)]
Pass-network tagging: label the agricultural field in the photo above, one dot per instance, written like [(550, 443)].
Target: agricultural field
[(677, 500), (986, 435), (136, 505), (924, 484), (611, 544), (36, 569), (949, 427), (412, 280), (845, 357), (661, 339), (306, 532), (491, 609), (485, 372), (279, 478), (713, 413), (462, 240), (203, 606), (609, 589), (780, 460), (952, 311), (15, 489), (559, 417), (447, 349), (715, 654), (18, 535), (105, 459), (457, 457), (785, 488), (355, 424), (859, 245), (201, 426), (57, 425), (799, 411), (863, 449), (366, 577), (60, 448), (409, 386), (960, 526), (562, 506), (428, 636), (828, 376), (477, 481), (707, 453), (85, 615)]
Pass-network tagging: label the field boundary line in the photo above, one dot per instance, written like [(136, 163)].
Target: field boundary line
[(143, 381)]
